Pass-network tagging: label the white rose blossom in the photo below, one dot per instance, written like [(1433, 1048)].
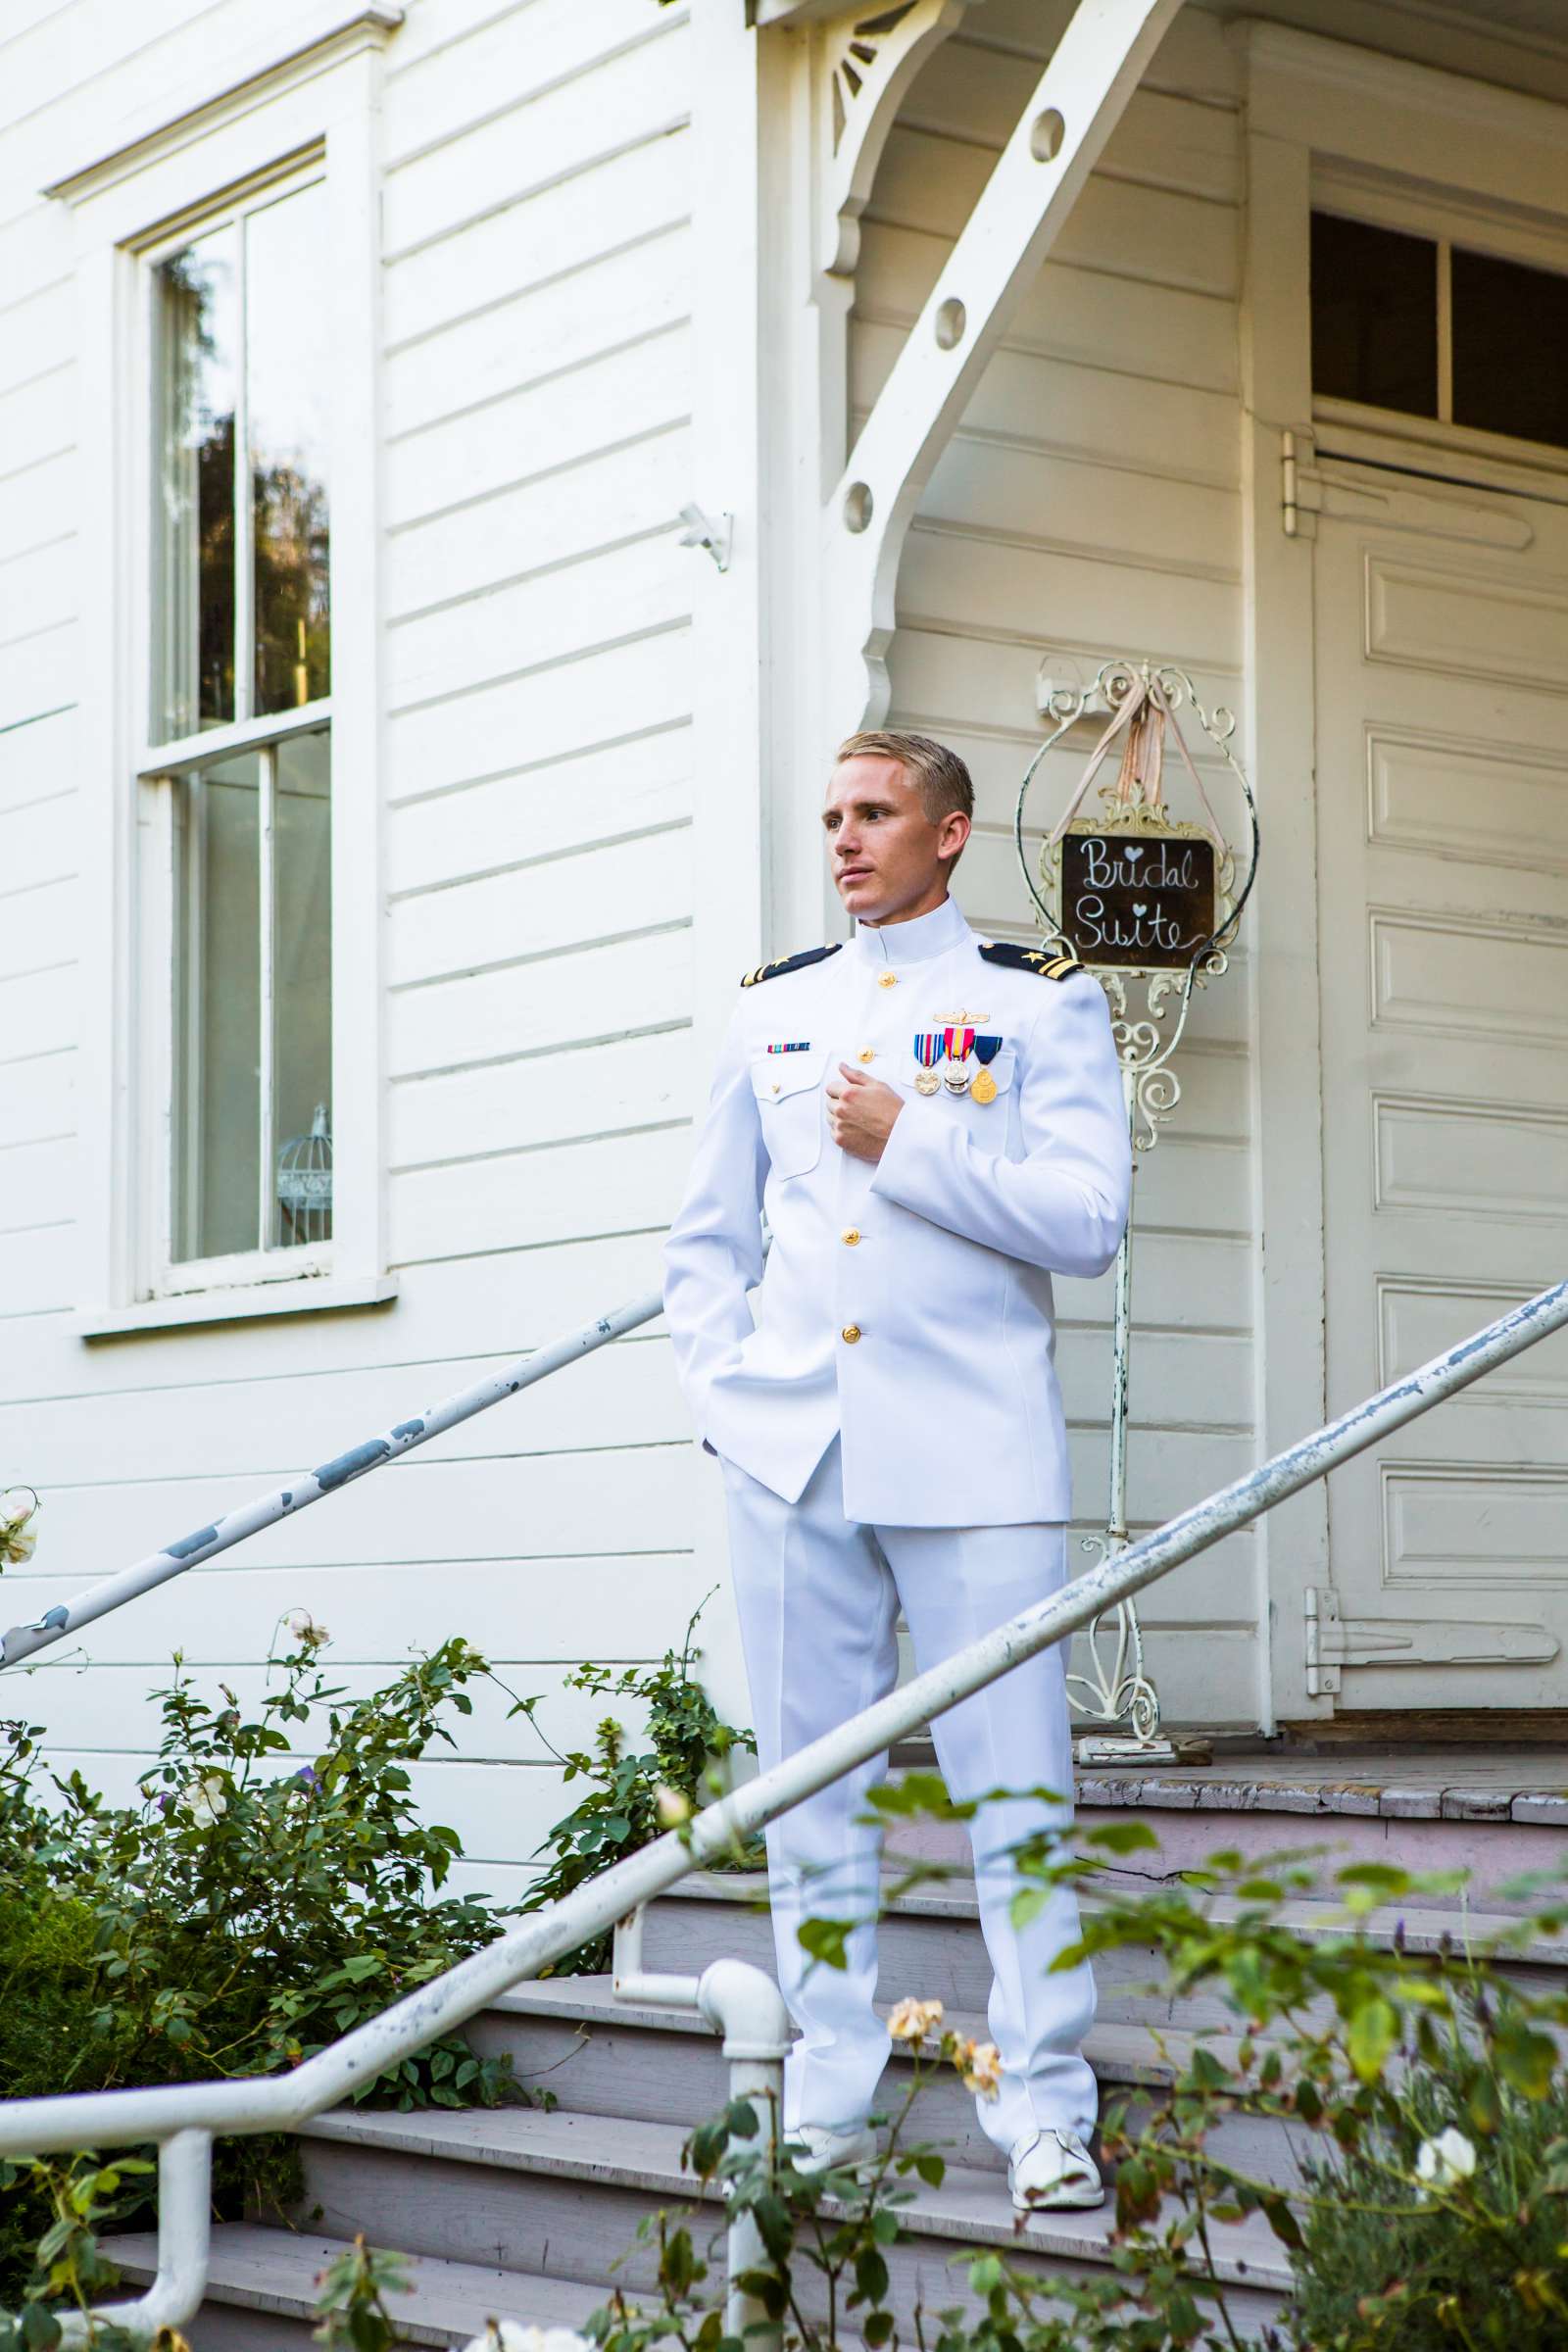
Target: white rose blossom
[(306, 1629), (672, 1810), (205, 1799), (19, 1534), (1444, 2162), (510, 2335)]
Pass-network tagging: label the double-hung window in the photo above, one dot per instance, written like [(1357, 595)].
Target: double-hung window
[(239, 770)]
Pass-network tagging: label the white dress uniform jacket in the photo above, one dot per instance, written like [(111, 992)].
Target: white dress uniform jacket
[(906, 1305)]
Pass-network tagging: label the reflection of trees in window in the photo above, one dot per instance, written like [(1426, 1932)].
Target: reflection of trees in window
[(215, 570), (292, 642), (199, 368)]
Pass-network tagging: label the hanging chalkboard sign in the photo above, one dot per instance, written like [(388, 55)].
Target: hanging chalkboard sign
[(1143, 898)]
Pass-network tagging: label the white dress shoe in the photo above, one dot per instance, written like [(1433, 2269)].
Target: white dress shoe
[(828, 2147), (1053, 2168)]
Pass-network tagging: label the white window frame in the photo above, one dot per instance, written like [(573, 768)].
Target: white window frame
[(313, 113), (159, 766)]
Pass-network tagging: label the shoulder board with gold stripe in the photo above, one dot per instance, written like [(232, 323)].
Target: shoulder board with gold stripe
[(789, 963), (1029, 959)]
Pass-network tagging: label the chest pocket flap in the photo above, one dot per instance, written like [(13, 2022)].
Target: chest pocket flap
[(789, 1095)]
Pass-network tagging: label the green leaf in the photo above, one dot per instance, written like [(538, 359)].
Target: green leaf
[(827, 1940), (1122, 1838), (932, 2169), (1374, 2031)]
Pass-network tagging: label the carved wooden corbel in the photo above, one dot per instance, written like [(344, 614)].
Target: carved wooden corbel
[(865, 60)]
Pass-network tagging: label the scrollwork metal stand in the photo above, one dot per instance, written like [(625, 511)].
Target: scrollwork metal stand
[(1118, 1687)]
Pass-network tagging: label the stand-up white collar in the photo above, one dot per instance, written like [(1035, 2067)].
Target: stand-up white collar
[(914, 942)]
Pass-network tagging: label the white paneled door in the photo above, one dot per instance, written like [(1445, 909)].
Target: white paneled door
[(1441, 652)]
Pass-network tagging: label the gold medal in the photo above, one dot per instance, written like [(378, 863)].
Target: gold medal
[(926, 1082), (984, 1089)]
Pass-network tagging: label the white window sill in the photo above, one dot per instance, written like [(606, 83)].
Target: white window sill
[(307, 1297)]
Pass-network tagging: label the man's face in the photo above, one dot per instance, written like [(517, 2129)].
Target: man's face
[(887, 857)]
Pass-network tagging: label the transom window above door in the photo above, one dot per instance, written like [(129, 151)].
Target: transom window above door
[(1429, 328)]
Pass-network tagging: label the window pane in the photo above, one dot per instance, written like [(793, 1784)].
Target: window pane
[(288, 310), (1374, 316), (197, 315), (1510, 348), (302, 992), (218, 996)]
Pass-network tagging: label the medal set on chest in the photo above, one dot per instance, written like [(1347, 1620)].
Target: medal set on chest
[(957, 1059)]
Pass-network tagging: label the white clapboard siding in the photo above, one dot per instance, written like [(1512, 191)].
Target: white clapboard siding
[(39, 1009), (37, 760), (604, 694), (485, 1307), (611, 499), (539, 811), (38, 1274), (610, 593), (990, 587), (508, 1506), (432, 101), (1067, 312), (1116, 226), (38, 920), (593, 402), (38, 671), (641, 191), (522, 914), (37, 1184), (543, 333), (977, 682), (626, 1391), (613, 1182), (523, 1105), (37, 1100), (519, 1610), (637, 987), (1067, 505), (535, 136)]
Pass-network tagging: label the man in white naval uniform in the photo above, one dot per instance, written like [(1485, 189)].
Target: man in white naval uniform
[(884, 1402)]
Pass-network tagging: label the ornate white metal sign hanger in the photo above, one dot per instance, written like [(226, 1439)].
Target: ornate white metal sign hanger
[(1145, 900)]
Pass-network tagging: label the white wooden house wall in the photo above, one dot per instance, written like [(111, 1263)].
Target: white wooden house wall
[(539, 300), (536, 809)]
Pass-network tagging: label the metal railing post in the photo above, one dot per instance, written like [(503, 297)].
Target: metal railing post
[(746, 2006)]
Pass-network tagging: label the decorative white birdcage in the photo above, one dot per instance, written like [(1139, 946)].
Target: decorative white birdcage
[(305, 1182)]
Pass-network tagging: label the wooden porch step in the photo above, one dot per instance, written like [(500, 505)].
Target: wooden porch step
[(600, 2056), (930, 1945), (262, 2291), (561, 2194)]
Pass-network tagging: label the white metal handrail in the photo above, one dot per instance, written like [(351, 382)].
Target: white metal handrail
[(178, 2116), (283, 1502)]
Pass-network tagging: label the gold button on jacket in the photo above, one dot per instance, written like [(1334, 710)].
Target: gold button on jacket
[(850, 1334), (850, 1235)]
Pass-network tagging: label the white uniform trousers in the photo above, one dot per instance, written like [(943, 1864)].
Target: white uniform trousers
[(818, 1598)]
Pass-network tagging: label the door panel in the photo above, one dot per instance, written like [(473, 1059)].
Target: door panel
[(1442, 831)]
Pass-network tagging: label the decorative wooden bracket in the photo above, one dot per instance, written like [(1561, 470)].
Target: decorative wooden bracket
[(866, 62), (1076, 104)]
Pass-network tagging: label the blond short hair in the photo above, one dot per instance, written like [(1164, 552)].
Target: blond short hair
[(939, 775)]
